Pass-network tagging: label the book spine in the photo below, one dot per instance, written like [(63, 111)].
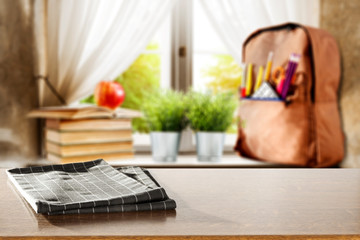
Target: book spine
[(88, 124), (88, 136), (106, 157), (88, 149)]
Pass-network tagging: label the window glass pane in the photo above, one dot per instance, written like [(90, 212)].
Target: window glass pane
[(140, 79), (214, 69), (201, 62), (205, 38), (153, 45), (150, 71)]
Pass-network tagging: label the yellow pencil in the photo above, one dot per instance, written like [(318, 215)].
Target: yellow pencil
[(268, 66), (249, 80), (259, 77)]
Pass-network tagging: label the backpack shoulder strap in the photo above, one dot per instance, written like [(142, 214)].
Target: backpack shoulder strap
[(326, 64)]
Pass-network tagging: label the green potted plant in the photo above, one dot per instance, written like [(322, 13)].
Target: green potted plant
[(164, 113), (209, 116)]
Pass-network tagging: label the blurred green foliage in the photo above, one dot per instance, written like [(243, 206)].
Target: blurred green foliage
[(140, 81), (210, 112), (226, 76), (165, 111)]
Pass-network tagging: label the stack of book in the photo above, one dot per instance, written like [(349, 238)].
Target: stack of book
[(84, 134)]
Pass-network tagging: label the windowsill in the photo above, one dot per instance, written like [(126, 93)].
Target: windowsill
[(190, 161), (187, 157), (142, 143), (187, 160)]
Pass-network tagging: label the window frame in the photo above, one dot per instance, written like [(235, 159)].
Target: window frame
[(181, 49)]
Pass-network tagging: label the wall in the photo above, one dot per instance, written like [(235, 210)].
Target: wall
[(18, 135), (342, 19)]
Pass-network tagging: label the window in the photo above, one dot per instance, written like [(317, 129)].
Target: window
[(155, 64), (213, 67), (207, 49), (186, 52), (149, 71), (192, 66), (208, 65)]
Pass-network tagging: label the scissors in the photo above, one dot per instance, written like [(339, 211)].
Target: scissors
[(278, 75)]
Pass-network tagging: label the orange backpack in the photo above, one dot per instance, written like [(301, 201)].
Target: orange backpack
[(303, 129)]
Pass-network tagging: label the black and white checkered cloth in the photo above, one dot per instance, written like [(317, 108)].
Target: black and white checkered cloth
[(89, 187)]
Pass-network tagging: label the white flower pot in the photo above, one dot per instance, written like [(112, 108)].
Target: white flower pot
[(209, 146), (165, 146)]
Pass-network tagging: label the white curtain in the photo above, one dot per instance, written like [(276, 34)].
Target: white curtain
[(234, 20), (86, 41)]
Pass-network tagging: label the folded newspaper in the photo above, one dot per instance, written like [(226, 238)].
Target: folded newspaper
[(89, 187)]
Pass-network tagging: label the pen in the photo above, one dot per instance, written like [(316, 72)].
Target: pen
[(259, 77), (268, 66), (249, 80), (280, 85)]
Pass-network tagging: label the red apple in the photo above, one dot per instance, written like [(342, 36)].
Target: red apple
[(109, 94)]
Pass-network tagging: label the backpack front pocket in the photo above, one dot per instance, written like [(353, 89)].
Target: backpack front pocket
[(273, 131)]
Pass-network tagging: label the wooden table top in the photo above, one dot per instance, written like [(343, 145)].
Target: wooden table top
[(212, 204)]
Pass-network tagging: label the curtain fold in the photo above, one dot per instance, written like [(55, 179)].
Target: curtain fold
[(86, 41), (40, 44), (234, 20)]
